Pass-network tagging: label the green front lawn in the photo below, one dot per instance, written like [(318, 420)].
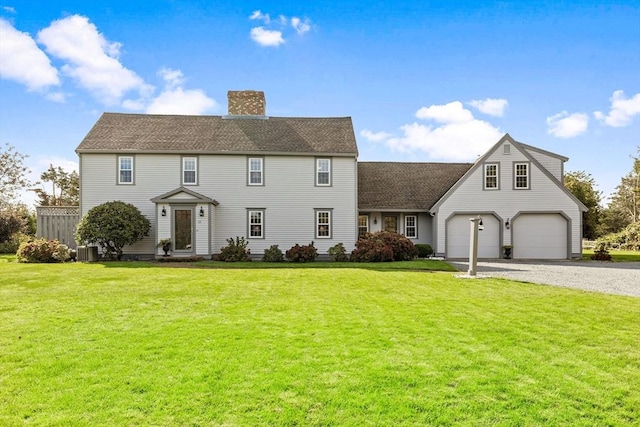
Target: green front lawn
[(140, 344), (616, 256)]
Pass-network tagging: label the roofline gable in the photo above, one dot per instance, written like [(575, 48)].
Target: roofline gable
[(165, 198)]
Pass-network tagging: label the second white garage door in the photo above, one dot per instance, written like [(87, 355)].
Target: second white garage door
[(540, 236), (458, 233)]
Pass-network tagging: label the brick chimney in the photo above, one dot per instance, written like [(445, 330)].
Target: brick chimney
[(246, 103)]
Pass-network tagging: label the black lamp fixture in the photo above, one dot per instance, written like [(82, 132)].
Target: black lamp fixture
[(480, 225), (375, 219), (507, 224), (164, 211), (201, 211)]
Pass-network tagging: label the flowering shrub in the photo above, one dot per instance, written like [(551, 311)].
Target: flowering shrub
[(42, 250), (273, 254), (338, 253), (304, 253), (235, 251), (384, 246)]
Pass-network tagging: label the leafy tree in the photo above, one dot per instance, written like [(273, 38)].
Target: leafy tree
[(13, 173), (113, 225), (581, 185), (16, 218), (624, 207), (65, 187)]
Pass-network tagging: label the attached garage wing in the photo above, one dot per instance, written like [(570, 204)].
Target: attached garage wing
[(458, 234), (540, 236)]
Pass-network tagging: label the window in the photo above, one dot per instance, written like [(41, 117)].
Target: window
[(491, 176), (363, 225), (391, 224), (255, 171), (323, 172), (190, 170), (323, 224), (521, 175), (256, 224), (125, 170), (411, 226)]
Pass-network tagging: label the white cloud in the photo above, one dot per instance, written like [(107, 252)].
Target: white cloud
[(301, 27), (22, 61), (174, 99), (266, 37), (172, 77), (58, 97), (490, 106), (622, 110), (452, 112), (260, 16), (374, 136), (565, 125), (456, 136), (9, 9), (91, 59)]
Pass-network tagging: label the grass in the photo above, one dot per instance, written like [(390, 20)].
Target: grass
[(138, 344), (616, 255)]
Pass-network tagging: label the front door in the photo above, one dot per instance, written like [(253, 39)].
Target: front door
[(183, 230), (391, 223)]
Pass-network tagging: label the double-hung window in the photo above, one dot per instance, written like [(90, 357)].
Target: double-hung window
[(411, 226), (190, 170), (491, 176), (363, 225), (323, 224), (256, 224), (256, 172), (125, 170), (521, 176), (323, 172)]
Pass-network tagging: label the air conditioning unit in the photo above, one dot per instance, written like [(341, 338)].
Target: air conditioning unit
[(88, 253)]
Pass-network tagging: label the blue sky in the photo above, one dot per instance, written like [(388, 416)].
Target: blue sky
[(422, 80)]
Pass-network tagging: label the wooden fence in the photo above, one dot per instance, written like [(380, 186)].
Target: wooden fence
[(58, 222)]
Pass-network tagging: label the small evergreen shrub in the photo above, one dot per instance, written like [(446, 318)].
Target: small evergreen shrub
[(235, 251), (601, 253), (424, 250), (273, 254), (304, 253), (42, 251), (369, 249), (338, 253)]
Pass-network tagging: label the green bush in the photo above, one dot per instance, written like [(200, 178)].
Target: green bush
[(12, 221), (379, 246), (235, 251), (424, 250), (304, 253), (628, 238), (41, 251), (273, 254), (338, 253)]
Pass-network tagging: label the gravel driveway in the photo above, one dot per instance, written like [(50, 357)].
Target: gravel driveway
[(620, 278)]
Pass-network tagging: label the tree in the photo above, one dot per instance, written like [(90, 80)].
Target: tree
[(624, 207), (581, 185), (65, 188), (13, 173), (113, 225)]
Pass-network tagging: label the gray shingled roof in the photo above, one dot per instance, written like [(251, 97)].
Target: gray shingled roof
[(394, 185), (115, 132)]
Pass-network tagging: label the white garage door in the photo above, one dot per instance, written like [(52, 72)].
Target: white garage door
[(458, 234), (540, 236)]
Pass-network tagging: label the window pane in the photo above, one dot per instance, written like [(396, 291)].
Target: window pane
[(323, 172), (410, 226), (125, 176), (323, 224), (125, 163), (255, 224), (323, 178), (363, 225), (255, 178), (190, 177), (391, 224)]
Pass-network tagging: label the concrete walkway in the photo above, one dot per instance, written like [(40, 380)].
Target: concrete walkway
[(620, 278)]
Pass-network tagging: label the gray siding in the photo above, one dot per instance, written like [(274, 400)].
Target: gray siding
[(552, 164)]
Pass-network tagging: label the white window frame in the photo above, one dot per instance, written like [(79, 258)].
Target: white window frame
[(362, 232), (320, 170), (320, 214), (251, 170), (251, 215), (526, 175), (121, 169), (186, 159), (487, 166), (411, 231)]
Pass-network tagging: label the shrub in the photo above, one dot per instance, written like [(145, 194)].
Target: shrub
[(338, 253), (273, 254), (12, 221), (235, 251), (304, 253), (401, 248), (601, 253), (113, 225), (42, 250), (424, 250)]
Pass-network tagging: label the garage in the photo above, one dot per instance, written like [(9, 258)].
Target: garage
[(458, 235), (540, 236)]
